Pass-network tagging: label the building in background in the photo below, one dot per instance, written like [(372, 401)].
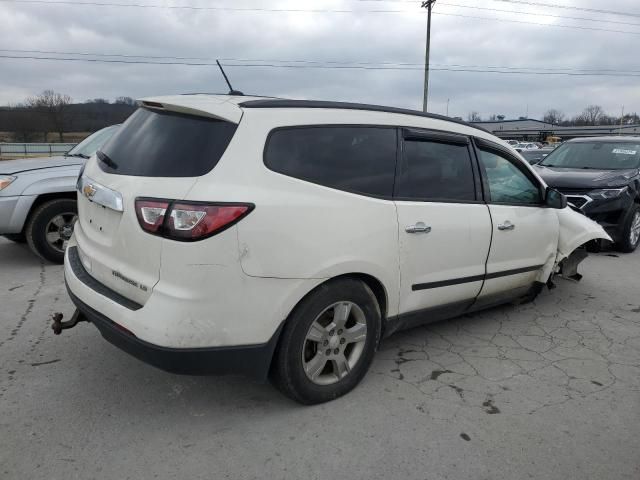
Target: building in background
[(537, 130)]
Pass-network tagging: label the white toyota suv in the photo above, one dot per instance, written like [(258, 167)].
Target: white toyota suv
[(282, 238)]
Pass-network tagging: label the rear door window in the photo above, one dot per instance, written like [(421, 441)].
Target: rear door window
[(435, 171), (351, 158), (166, 144)]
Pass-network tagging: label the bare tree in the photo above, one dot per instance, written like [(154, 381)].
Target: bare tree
[(125, 101), (592, 115), (474, 117), (56, 108), (553, 116)]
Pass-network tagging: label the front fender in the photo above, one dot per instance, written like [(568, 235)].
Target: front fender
[(63, 182), (576, 230)]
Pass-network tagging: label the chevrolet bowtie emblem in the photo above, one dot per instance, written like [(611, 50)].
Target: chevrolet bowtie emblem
[(89, 191)]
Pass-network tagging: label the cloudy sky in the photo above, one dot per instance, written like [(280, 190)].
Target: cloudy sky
[(386, 37)]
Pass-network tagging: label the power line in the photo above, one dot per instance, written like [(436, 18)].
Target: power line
[(320, 62), (530, 13), (570, 7), (536, 23), (298, 10), (321, 66), (193, 7), (565, 17)]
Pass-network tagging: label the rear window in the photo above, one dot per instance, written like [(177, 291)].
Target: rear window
[(165, 144), (356, 159)]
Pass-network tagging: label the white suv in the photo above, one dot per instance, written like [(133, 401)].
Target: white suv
[(229, 234)]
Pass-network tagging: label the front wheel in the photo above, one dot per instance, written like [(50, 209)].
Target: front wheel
[(630, 237), (50, 227), (328, 342)]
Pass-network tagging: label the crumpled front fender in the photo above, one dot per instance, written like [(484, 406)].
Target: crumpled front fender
[(576, 230)]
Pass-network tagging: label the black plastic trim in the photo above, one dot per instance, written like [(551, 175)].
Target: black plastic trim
[(281, 103), (249, 360), (418, 134), (81, 274), (474, 278)]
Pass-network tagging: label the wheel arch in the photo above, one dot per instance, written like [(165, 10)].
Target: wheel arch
[(377, 287), (44, 198)]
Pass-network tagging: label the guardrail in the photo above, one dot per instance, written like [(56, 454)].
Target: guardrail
[(30, 149)]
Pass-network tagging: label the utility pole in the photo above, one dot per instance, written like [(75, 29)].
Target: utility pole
[(428, 4)]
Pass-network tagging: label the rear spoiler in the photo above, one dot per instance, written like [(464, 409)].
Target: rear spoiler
[(210, 106)]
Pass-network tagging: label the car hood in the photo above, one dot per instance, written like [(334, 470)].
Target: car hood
[(27, 164), (583, 178)]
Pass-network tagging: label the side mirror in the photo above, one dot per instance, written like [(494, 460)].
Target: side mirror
[(554, 199)]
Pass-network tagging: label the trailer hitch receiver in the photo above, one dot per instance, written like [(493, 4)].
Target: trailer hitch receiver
[(57, 325)]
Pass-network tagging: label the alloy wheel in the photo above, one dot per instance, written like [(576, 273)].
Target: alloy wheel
[(634, 231), (334, 343), (59, 230)]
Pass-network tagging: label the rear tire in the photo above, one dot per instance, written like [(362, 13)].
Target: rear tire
[(15, 237), (630, 236), (50, 227), (328, 342)]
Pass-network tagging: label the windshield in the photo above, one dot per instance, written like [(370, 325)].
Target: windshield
[(93, 142), (595, 155)]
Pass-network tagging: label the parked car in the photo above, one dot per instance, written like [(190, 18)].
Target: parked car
[(526, 146), (38, 198), (513, 143), (230, 234), (534, 156), (601, 177)]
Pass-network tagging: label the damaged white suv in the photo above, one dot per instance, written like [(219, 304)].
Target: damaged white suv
[(230, 234)]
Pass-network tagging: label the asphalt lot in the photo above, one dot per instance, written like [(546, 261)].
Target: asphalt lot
[(544, 390)]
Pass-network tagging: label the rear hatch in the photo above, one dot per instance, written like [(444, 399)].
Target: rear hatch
[(159, 154)]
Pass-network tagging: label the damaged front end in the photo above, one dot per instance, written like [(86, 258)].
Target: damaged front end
[(575, 231)]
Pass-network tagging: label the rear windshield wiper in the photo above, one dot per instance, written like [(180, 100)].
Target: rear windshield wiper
[(81, 155), (104, 158)]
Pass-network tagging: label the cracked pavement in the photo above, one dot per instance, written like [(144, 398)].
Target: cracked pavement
[(546, 390)]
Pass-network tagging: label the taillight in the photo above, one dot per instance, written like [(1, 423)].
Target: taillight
[(151, 214), (188, 221)]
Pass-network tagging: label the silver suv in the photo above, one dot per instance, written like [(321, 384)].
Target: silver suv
[(38, 199)]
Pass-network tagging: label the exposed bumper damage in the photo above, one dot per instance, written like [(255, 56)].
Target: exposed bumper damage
[(575, 230)]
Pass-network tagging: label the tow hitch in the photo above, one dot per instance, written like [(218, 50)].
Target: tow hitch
[(57, 325)]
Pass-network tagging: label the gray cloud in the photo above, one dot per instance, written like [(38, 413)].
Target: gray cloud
[(349, 37)]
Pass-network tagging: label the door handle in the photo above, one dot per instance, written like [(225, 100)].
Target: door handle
[(419, 227), (507, 225)]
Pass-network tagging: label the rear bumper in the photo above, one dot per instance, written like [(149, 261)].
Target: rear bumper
[(249, 360)]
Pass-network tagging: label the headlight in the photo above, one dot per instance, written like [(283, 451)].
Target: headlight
[(5, 181), (607, 193)]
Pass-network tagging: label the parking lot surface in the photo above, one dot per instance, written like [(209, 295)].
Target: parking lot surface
[(547, 390)]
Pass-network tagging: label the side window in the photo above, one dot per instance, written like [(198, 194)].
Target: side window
[(507, 183), (434, 171), (355, 159)]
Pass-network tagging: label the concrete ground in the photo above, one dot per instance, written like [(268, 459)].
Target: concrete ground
[(549, 390)]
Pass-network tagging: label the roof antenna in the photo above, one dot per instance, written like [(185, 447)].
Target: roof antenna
[(231, 90)]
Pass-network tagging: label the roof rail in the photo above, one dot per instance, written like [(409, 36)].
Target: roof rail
[(280, 103)]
